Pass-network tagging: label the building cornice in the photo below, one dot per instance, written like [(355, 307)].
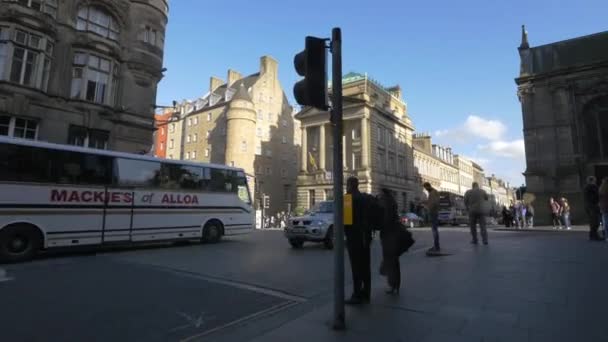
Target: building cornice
[(561, 72)]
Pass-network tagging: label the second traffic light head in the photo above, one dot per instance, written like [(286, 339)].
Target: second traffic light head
[(312, 65)]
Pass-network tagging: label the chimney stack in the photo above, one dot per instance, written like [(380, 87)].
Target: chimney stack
[(214, 83), (268, 65), (233, 76)]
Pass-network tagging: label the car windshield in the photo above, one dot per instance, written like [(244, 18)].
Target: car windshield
[(323, 207)]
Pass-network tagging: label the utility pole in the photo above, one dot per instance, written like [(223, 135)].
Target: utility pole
[(312, 91)]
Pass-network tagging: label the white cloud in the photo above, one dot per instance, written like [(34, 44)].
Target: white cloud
[(488, 129), (474, 127), (488, 143), (510, 149), (484, 162)]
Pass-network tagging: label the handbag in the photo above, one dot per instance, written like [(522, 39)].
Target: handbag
[(406, 240)]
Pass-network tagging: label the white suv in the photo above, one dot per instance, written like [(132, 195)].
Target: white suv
[(315, 226)]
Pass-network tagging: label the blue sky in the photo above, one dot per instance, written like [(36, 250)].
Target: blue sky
[(455, 60)]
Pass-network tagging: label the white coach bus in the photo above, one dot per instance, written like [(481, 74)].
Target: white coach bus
[(58, 196)]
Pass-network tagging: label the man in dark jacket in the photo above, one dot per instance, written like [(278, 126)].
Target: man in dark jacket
[(358, 240), (592, 207)]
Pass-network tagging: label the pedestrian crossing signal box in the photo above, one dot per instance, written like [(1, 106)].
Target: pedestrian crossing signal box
[(348, 209)]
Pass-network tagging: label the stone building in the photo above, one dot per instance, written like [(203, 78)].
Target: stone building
[(245, 122), (377, 144), (478, 174), (160, 135), (434, 164), (81, 72), (563, 90), (465, 173), (448, 172)]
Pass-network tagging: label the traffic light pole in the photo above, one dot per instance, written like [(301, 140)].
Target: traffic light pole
[(338, 175)]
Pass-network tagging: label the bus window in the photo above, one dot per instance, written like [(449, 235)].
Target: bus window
[(30, 164), (180, 177), (205, 183), (141, 173), (79, 168), (22, 164), (242, 189), (220, 181), (191, 178)]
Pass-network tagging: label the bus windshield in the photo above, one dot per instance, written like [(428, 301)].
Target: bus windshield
[(242, 189), (448, 200)]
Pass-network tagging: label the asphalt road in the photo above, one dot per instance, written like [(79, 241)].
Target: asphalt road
[(183, 293)]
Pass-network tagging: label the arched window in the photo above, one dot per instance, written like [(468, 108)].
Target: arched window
[(97, 20)]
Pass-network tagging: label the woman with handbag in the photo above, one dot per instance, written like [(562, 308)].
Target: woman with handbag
[(390, 238)]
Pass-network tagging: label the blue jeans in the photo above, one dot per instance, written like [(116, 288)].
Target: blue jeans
[(605, 223), (566, 219), (434, 227)]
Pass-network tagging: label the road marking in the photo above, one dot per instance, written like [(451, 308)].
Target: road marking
[(193, 322), (269, 311), (3, 276), (236, 284)]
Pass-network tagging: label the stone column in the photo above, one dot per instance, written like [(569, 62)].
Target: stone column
[(364, 144), (304, 149), (322, 147)]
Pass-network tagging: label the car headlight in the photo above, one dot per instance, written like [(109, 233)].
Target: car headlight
[(318, 223)]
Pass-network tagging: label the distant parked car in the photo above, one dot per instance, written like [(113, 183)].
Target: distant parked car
[(411, 220), (314, 226)]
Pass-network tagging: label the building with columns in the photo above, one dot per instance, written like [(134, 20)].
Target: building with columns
[(247, 122), (81, 72), (563, 90), (377, 144)]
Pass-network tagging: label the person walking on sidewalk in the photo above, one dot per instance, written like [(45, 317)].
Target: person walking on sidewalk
[(432, 205), (506, 217), (474, 200), (389, 236), (523, 215), (530, 215), (555, 209), (603, 195), (358, 240), (565, 213), (592, 207)]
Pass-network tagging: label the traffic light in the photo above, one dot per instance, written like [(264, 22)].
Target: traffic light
[(312, 65), (266, 201)]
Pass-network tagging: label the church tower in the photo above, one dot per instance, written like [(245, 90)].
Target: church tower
[(240, 132)]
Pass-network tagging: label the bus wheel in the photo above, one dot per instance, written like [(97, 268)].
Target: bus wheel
[(212, 233), (19, 243)]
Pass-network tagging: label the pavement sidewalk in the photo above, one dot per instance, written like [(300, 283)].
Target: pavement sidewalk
[(522, 287)]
